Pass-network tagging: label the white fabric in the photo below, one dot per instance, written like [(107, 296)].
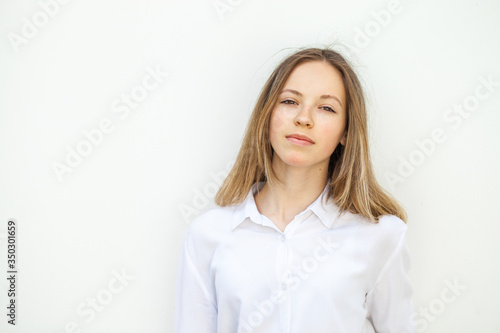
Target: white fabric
[(239, 273)]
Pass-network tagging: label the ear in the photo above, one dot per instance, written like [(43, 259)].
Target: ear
[(344, 138)]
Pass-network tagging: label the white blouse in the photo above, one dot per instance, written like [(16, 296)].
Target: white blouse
[(239, 273)]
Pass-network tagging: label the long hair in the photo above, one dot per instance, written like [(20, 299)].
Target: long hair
[(353, 186)]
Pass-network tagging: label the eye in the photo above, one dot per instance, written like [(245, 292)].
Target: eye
[(288, 101), (327, 108)]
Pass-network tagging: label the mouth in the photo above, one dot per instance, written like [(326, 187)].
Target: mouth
[(300, 139)]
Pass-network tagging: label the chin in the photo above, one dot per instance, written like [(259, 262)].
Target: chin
[(296, 160)]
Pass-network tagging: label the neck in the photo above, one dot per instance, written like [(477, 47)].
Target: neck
[(299, 187)]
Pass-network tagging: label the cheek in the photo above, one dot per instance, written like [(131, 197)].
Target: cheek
[(276, 126), (332, 134)]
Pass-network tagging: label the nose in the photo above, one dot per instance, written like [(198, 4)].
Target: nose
[(303, 118)]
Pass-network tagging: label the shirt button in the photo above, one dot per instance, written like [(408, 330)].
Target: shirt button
[(282, 239)]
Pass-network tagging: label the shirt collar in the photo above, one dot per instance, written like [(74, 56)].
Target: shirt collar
[(327, 212)]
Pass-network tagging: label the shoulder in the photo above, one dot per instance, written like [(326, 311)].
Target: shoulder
[(214, 220), (391, 225), (383, 237), (388, 225), (207, 231), (389, 235), (388, 228)]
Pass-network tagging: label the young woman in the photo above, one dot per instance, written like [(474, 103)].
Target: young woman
[(305, 239)]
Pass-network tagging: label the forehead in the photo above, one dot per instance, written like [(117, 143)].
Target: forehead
[(316, 77)]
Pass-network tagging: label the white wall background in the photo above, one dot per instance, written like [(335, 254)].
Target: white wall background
[(121, 208)]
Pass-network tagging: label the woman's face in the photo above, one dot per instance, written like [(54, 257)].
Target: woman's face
[(309, 118)]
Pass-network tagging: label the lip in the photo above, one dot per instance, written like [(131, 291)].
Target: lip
[(300, 139)]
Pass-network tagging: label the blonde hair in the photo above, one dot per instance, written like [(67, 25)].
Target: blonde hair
[(353, 186)]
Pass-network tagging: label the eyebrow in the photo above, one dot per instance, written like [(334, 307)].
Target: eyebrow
[(322, 96)]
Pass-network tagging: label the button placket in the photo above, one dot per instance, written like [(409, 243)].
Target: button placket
[(287, 305)]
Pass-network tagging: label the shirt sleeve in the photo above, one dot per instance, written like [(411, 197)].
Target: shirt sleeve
[(389, 303), (195, 307)]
